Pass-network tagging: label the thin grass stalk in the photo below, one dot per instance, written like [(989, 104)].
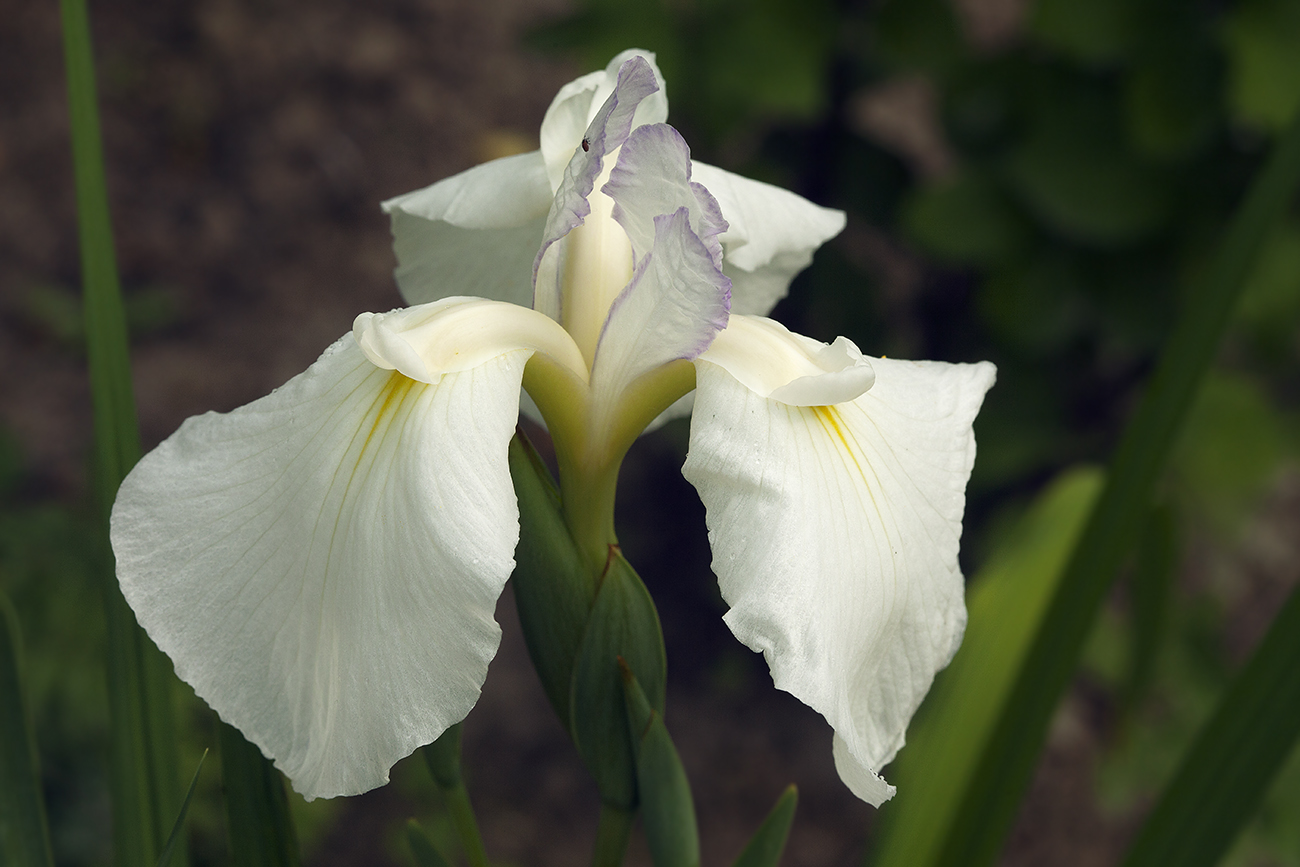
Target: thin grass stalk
[(145, 786)]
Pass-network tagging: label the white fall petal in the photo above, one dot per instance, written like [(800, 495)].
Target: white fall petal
[(322, 565), (835, 530)]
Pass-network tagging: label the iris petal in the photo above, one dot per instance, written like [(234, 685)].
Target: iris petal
[(771, 236), (322, 565), (835, 532), (673, 307), (477, 232), (605, 134)]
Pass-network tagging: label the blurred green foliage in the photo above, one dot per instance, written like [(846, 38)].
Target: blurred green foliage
[(1094, 155)]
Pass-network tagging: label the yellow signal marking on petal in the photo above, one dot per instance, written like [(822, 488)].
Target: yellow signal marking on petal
[(392, 395), (829, 418)]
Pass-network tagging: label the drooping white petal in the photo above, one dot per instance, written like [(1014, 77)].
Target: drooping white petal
[(605, 134), (477, 231), (772, 236), (575, 106), (653, 177), (322, 564), (672, 308), (835, 532)]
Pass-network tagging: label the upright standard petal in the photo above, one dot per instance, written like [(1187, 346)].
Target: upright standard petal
[(476, 231), (835, 532), (673, 307), (322, 565), (575, 106), (771, 238), (605, 134), (652, 178)]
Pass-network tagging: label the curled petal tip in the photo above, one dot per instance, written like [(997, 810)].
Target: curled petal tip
[(777, 364)]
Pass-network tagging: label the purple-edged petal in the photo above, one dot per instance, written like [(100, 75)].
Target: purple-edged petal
[(605, 134), (653, 177), (322, 565), (575, 106), (771, 237), (477, 232), (835, 532), (673, 307)]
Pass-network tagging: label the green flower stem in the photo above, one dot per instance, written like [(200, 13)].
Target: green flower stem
[(591, 453), (443, 760), (611, 836), (466, 824), (587, 495)]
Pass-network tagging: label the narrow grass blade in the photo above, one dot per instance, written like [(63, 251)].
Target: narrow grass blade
[(1006, 603), (143, 751), (1228, 768), (1150, 590), (24, 836), (178, 827), (422, 848), (258, 823), (767, 844), (990, 803)]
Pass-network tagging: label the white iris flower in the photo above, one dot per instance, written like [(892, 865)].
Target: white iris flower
[(322, 565)]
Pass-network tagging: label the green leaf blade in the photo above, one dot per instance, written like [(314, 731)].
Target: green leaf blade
[(768, 843), (1006, 604), (258, 824), (1227, 770), (143, 746), (24, 834), (990, 804)]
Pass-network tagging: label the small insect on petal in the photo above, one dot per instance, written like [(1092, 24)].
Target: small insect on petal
[(586, 145)]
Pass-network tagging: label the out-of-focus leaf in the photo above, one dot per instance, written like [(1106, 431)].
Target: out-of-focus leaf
[(1270, 303), (966, 220), (1006, 604), (1150, 589), (1234, 758), (1036, 304), (1100, 31), (143, 750), (178, 827), (1172, 96), (24, 837), (1075, 171), (1264, 62), (258, 824), (772, 58), (919, 34), (1006, 766), (422, 848), (442, 757), (765, 847), (1230, 445)]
